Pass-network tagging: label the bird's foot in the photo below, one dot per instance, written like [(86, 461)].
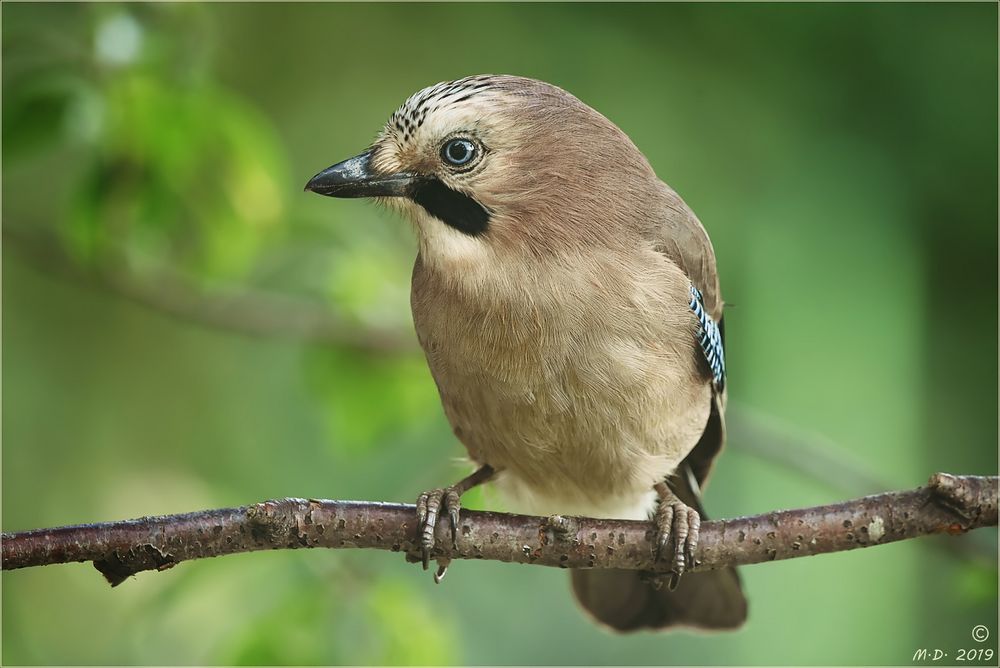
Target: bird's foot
[(675, 520), (430, 506)]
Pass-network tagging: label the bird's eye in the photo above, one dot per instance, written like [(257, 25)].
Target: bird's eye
[(458, 152)]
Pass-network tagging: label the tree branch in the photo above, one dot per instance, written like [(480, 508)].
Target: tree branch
[(948, 504), (243, 311), (283, 317)]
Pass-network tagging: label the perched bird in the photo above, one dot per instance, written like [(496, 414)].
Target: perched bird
[(568, 305)]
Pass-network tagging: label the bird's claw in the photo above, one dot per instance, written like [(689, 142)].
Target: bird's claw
[(681, 523), (442, 569), (429, 508)]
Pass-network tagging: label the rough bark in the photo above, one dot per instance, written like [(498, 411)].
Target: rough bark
[(948, 504)]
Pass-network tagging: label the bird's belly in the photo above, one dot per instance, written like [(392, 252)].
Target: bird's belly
[(577, 380), (590, 436)]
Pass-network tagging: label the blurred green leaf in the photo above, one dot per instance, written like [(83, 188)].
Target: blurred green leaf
[(190, 178), (36, 110)]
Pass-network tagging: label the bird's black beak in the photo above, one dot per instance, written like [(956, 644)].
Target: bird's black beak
[(356, 177)]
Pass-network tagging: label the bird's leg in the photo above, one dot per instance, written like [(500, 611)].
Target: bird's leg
[(431, 504), (675, 519)]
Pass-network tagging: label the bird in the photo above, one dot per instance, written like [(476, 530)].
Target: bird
[(568, 305)]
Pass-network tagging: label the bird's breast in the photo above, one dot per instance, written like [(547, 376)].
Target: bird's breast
[(577, 381)]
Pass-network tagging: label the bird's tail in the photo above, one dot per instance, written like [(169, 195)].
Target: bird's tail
[(626, 601)]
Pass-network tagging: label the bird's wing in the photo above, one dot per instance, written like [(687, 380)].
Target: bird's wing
[(710, 340), (681, 237)]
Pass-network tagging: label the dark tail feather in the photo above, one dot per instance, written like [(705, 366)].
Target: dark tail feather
[(623, 601)]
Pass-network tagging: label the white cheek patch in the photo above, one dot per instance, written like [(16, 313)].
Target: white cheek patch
[(445, 247)]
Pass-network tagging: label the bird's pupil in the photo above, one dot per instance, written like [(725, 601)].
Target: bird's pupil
[(459, 151)]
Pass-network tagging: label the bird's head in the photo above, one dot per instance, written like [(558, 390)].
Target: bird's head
[(495, 164)]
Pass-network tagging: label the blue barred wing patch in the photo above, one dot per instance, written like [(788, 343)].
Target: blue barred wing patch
[(710, 339)]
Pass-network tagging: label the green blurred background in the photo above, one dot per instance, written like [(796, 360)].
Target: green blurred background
[(183, 328)]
